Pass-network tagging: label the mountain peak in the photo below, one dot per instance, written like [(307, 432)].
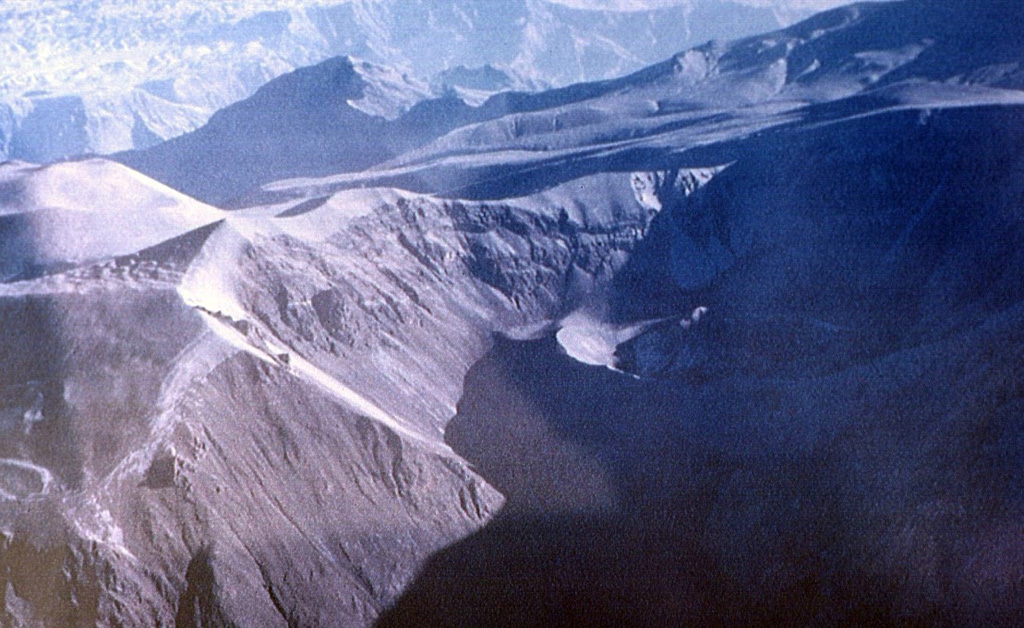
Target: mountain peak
[(76, 67)]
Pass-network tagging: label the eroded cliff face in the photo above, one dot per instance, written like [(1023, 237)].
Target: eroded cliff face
[(243, 424), (250, 422)]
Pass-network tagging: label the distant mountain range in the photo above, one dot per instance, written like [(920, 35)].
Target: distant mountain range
[(103, 76), (321, 120)]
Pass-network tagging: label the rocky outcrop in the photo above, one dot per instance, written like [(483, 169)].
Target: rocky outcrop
[(243, 424)]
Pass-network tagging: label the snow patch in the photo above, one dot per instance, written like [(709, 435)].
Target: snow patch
[(588, 339)]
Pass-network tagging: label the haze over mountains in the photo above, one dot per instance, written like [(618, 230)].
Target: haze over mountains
[(310, 123), (102, 76), (732, 340)]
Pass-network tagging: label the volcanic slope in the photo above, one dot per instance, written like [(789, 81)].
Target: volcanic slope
[(237, 418), (799, 402), (760, 321)]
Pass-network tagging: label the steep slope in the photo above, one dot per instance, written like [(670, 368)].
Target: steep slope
[(813, 415), (319, 119), (102, 77), (242, 424)]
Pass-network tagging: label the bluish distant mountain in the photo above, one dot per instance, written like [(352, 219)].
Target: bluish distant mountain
[(309, 124), (99, 77)]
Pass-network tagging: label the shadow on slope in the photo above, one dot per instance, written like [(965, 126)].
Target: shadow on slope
[(844, 452), (881, 495), (880, 232), (300, 124)]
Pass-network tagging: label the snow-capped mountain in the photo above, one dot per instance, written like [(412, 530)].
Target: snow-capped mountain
[(733, 340), (101, 77)]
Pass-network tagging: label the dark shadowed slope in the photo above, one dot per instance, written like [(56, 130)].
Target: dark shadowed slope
[(834, 440), (306, 122)]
